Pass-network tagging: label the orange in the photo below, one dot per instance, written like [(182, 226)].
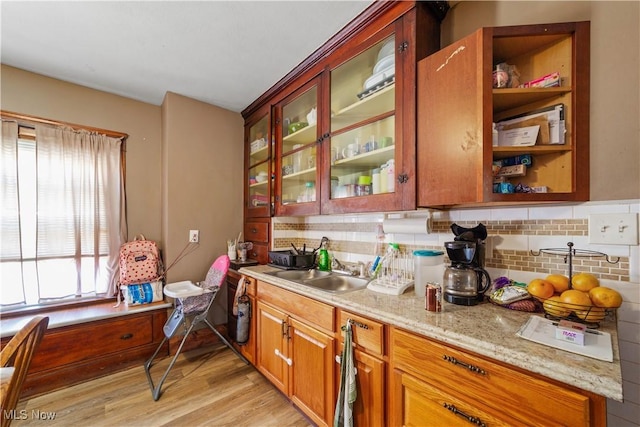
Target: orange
[(595, 314), (576, 300), (555, 307), (605, 297), (540, 288), (584, 282), (560, 282)]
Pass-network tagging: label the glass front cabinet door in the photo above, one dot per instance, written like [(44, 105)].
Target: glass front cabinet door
[(298, 135), (259, 183), (364, 154)]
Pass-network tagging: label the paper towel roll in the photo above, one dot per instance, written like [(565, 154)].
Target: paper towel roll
[(407, 225)]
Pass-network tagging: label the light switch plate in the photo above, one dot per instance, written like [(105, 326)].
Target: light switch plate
[(613, 229)]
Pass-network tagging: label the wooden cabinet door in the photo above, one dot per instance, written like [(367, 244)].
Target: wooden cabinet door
[(457, 107), (368, 409), (273, 346), (450, 106), (312, 372), (248, 350)]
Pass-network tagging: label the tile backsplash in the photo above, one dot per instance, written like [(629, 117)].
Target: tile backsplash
[(532, 240)]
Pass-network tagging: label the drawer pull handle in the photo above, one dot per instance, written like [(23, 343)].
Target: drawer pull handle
[(358, 324), (473, 420), (254, 230), (472, 368), (281, 356), (126, 336)]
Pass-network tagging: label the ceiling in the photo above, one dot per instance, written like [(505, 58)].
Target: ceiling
[(225, 53)]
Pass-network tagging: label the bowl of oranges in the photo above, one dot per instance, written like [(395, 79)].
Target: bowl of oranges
[(580, 298)]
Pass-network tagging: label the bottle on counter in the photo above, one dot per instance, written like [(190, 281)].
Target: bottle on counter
[(324, 263)]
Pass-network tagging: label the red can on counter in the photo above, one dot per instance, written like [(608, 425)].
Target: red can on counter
[(433, 298)]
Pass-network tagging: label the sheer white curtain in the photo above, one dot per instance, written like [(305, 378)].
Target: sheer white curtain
[(79, 220)]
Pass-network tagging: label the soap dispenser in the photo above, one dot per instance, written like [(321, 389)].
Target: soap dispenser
[(324, 263)]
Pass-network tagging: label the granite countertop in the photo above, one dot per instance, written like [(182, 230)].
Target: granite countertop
[(485, 329)]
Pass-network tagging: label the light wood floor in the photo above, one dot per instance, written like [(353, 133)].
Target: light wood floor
[(210, 387)]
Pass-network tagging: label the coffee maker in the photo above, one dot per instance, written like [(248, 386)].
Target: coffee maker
[(465, 281)]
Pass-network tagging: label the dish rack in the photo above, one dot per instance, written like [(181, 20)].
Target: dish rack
[(556, 310), (394, 276)]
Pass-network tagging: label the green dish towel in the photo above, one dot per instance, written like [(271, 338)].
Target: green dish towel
[(343, 416)]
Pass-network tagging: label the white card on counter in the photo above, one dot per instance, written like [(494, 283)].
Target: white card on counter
[(597, 344)]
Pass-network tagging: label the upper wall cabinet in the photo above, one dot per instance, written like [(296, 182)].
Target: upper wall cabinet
[(298, 134), (344, 121), (258, 167), (503, 117)]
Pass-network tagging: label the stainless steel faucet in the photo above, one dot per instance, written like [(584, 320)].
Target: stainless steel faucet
[(338, 267)]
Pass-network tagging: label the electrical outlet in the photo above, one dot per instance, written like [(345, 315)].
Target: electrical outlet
[(194, 236), (613, 229)]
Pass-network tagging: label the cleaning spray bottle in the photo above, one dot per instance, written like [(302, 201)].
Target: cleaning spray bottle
[(324, 263)]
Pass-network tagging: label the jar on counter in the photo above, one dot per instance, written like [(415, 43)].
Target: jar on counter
[(428, 268)]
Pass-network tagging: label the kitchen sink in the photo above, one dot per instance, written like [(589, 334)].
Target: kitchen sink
[(322, 280), (338, 283), (299, 275)]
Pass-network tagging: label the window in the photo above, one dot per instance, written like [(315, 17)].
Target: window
[(62, 212)]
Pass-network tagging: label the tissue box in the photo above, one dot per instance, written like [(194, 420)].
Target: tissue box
[(570, 332)]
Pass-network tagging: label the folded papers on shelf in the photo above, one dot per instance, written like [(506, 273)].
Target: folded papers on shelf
[(551, 122)]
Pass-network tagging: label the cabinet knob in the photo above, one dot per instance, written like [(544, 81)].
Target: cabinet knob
[(126, 336)]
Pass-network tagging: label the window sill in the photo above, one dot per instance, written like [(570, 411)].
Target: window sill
[(59, 317)]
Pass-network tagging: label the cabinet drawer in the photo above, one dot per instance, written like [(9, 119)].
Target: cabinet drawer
[(313, 312), (82, 342), (367, 334), (256, 232), (487, 382), (427, 405)]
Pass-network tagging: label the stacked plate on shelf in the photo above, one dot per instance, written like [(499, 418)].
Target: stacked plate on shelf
[(383, 72)]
